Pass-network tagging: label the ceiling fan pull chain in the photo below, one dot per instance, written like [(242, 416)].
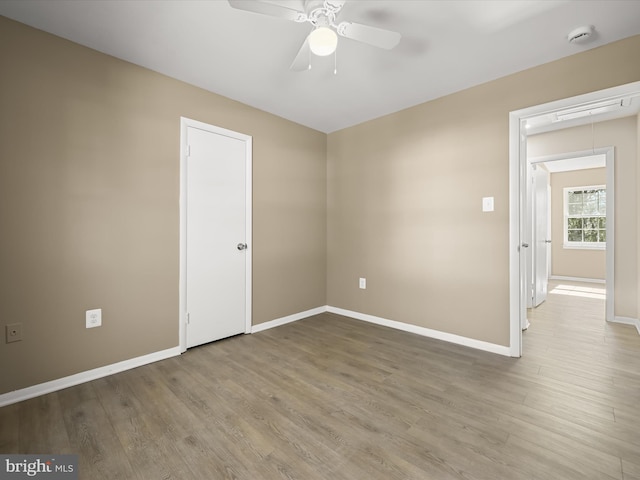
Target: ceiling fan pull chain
[(335, 62)]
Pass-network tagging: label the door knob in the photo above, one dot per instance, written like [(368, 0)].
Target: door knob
[(242, 246), (525, 245), (547, 241)]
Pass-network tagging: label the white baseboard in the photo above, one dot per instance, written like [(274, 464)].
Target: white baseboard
[(628, 321), (425, 332), (82, 377), (288, 319), (577, 279)]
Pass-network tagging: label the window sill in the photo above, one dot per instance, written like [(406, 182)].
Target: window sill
[(578, 246)]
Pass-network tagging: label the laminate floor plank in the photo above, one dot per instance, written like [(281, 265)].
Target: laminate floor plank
[(630, 470), (41, 425), (621, 440), (446, 446), (329, 397), (92, 437), (608, 396), (179, 433), (555, 464), (135, 431), (207, 411), (286, 427), (282, 436), (574, 452), (10, 429)]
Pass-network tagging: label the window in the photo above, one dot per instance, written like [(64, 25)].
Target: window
[(585, 217)]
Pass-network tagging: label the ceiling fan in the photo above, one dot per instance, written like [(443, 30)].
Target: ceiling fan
[(323, 39)]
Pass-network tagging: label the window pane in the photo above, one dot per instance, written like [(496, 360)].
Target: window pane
[(590, 207), (590, 223), (574, 235), (591, 235), (590, 196), (575, 208), (602, 236), (574, 223), (602, 222), (575, 197), (602, 203)]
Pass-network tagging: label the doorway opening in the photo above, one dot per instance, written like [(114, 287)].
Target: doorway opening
[(573, 255), (568, 171), (598, 106)]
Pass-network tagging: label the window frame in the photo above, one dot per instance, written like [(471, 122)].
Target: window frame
[(565, 217)]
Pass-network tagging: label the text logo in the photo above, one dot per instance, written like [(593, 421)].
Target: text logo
[(49, 467)]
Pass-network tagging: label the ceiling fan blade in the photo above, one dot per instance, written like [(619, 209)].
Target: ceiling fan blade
[(378, 37), (301, 62), (270, 9)]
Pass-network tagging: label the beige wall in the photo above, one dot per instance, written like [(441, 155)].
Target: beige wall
[(622, 135), (571, 262), (405, 190), (89, 190)]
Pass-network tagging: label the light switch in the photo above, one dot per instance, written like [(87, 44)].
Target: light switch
[(487, 204)]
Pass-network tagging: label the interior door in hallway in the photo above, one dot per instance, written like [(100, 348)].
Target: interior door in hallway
[(541, 234), (216, 236)]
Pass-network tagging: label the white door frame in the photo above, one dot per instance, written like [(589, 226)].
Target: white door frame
[(517, 200), (609, 155), (185, 123)]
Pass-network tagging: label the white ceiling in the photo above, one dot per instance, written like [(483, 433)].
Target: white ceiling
[(446, 46)]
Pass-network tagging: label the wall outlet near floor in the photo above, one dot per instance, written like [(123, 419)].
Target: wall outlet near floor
[(13, 332), (363, 283), (94, 318)]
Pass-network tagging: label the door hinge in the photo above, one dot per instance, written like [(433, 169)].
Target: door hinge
[(188, 318), (188, 150)]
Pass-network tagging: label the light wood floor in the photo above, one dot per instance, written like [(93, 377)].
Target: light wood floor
[(335, 398)]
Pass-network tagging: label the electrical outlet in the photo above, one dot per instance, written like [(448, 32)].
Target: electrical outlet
[(363, 283), (94, 318), (13, 332)]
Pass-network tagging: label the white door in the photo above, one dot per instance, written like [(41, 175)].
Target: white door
[(524, 267), (216, 236), (541, 234)]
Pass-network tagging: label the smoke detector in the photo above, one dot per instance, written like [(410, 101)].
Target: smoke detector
[(580, 34)]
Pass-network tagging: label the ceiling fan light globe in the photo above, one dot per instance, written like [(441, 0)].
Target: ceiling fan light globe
[(323, 41)]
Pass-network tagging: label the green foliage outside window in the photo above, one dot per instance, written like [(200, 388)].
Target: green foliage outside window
[(586, 220)]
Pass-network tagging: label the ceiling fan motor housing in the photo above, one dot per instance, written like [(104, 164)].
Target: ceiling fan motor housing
[(330, 5), (322, 13)]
